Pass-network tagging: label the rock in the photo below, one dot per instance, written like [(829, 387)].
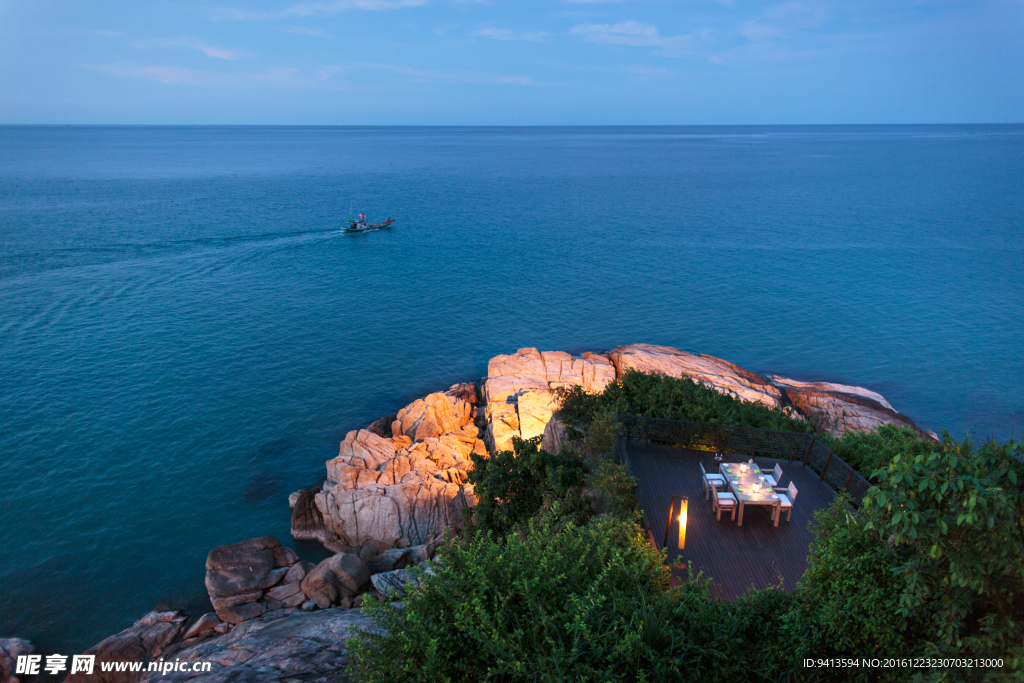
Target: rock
[(336, 577), (207, 622), (519, 390), (554, 436), (239, 612), (307, 520), (725, 377), (145, 641), (392, 584), (285, 557), (391, 496), (10, 649), (239, 570), (299, 646), (222, 628), (309, 606), (274, 605), (839, 408), (220, 602), (437, 414), (284, 592), (399, 558), (298, 571), (382, 427)]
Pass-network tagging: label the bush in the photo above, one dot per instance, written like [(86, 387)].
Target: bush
[(549, 604), (664, 397), (870, 451), (848, 600), (515, 485)]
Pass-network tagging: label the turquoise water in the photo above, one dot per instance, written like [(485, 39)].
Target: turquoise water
[(185, 336)]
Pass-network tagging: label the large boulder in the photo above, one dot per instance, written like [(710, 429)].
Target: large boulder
[(437, 414), (721, 375), (283, 645), (554, 436), (396, 492), (519, 390), (240, 572), (840, 408), (10, 650), (337, 577), (147, 640)]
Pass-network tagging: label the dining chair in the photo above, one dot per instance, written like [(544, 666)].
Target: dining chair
[(786, 498), (710, 481), (724, 500), (775, 477)]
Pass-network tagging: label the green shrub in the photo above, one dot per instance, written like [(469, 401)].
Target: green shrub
[(647, 395), (848, 601), (870, 451), (515, 485), (549, 604), (958, 515)]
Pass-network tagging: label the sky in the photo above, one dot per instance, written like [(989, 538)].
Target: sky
[(512, 62)]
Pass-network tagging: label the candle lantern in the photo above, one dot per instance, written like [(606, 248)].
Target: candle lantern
[(743, 467), (757, 487)]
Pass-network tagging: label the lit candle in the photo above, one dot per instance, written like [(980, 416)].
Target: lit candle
[(743, 467), (757, 487)]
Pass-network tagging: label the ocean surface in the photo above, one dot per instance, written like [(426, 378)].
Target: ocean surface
[(185, 335)]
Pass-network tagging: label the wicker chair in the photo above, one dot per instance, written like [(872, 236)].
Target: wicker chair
[(724, 500), (775, 477), (710, 481), (786, 498)]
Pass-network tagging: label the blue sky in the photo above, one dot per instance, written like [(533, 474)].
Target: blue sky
[(436, 62)]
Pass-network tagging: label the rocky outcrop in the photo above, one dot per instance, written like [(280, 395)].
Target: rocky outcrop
[(241, 573), (519, 388), (839, 408), (397, 492), (145, 641), (10, 649), (283, 645), (721, 375), (342, 576), (554, 436)]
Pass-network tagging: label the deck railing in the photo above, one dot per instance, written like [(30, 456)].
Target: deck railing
[(749, 441)]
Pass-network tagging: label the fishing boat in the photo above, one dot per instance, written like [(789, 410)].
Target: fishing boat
[(360, 224)]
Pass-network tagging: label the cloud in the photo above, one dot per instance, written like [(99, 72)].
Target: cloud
[(302, 30), (324, 77), (635, 34), (316, 9), (180, 41), (648, 71), (506, 34), (176, 75), (423, 76)]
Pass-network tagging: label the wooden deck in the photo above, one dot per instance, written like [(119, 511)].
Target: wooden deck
[(756, 555)]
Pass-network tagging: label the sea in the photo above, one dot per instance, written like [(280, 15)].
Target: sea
[(186, 334)]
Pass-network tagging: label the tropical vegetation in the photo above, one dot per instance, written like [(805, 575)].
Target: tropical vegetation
[(554, 580)]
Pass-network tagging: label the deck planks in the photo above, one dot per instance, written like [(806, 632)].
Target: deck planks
[(756, 555)]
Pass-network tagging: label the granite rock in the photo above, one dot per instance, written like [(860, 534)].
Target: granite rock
[(519, 390), (145, 641), (283, 645), (840, 408), (240, 611), (342, 575), (721, 375), (10, 649), (240, 572), (205, 623)]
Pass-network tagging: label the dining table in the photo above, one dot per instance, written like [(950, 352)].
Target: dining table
[(742, 486)]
